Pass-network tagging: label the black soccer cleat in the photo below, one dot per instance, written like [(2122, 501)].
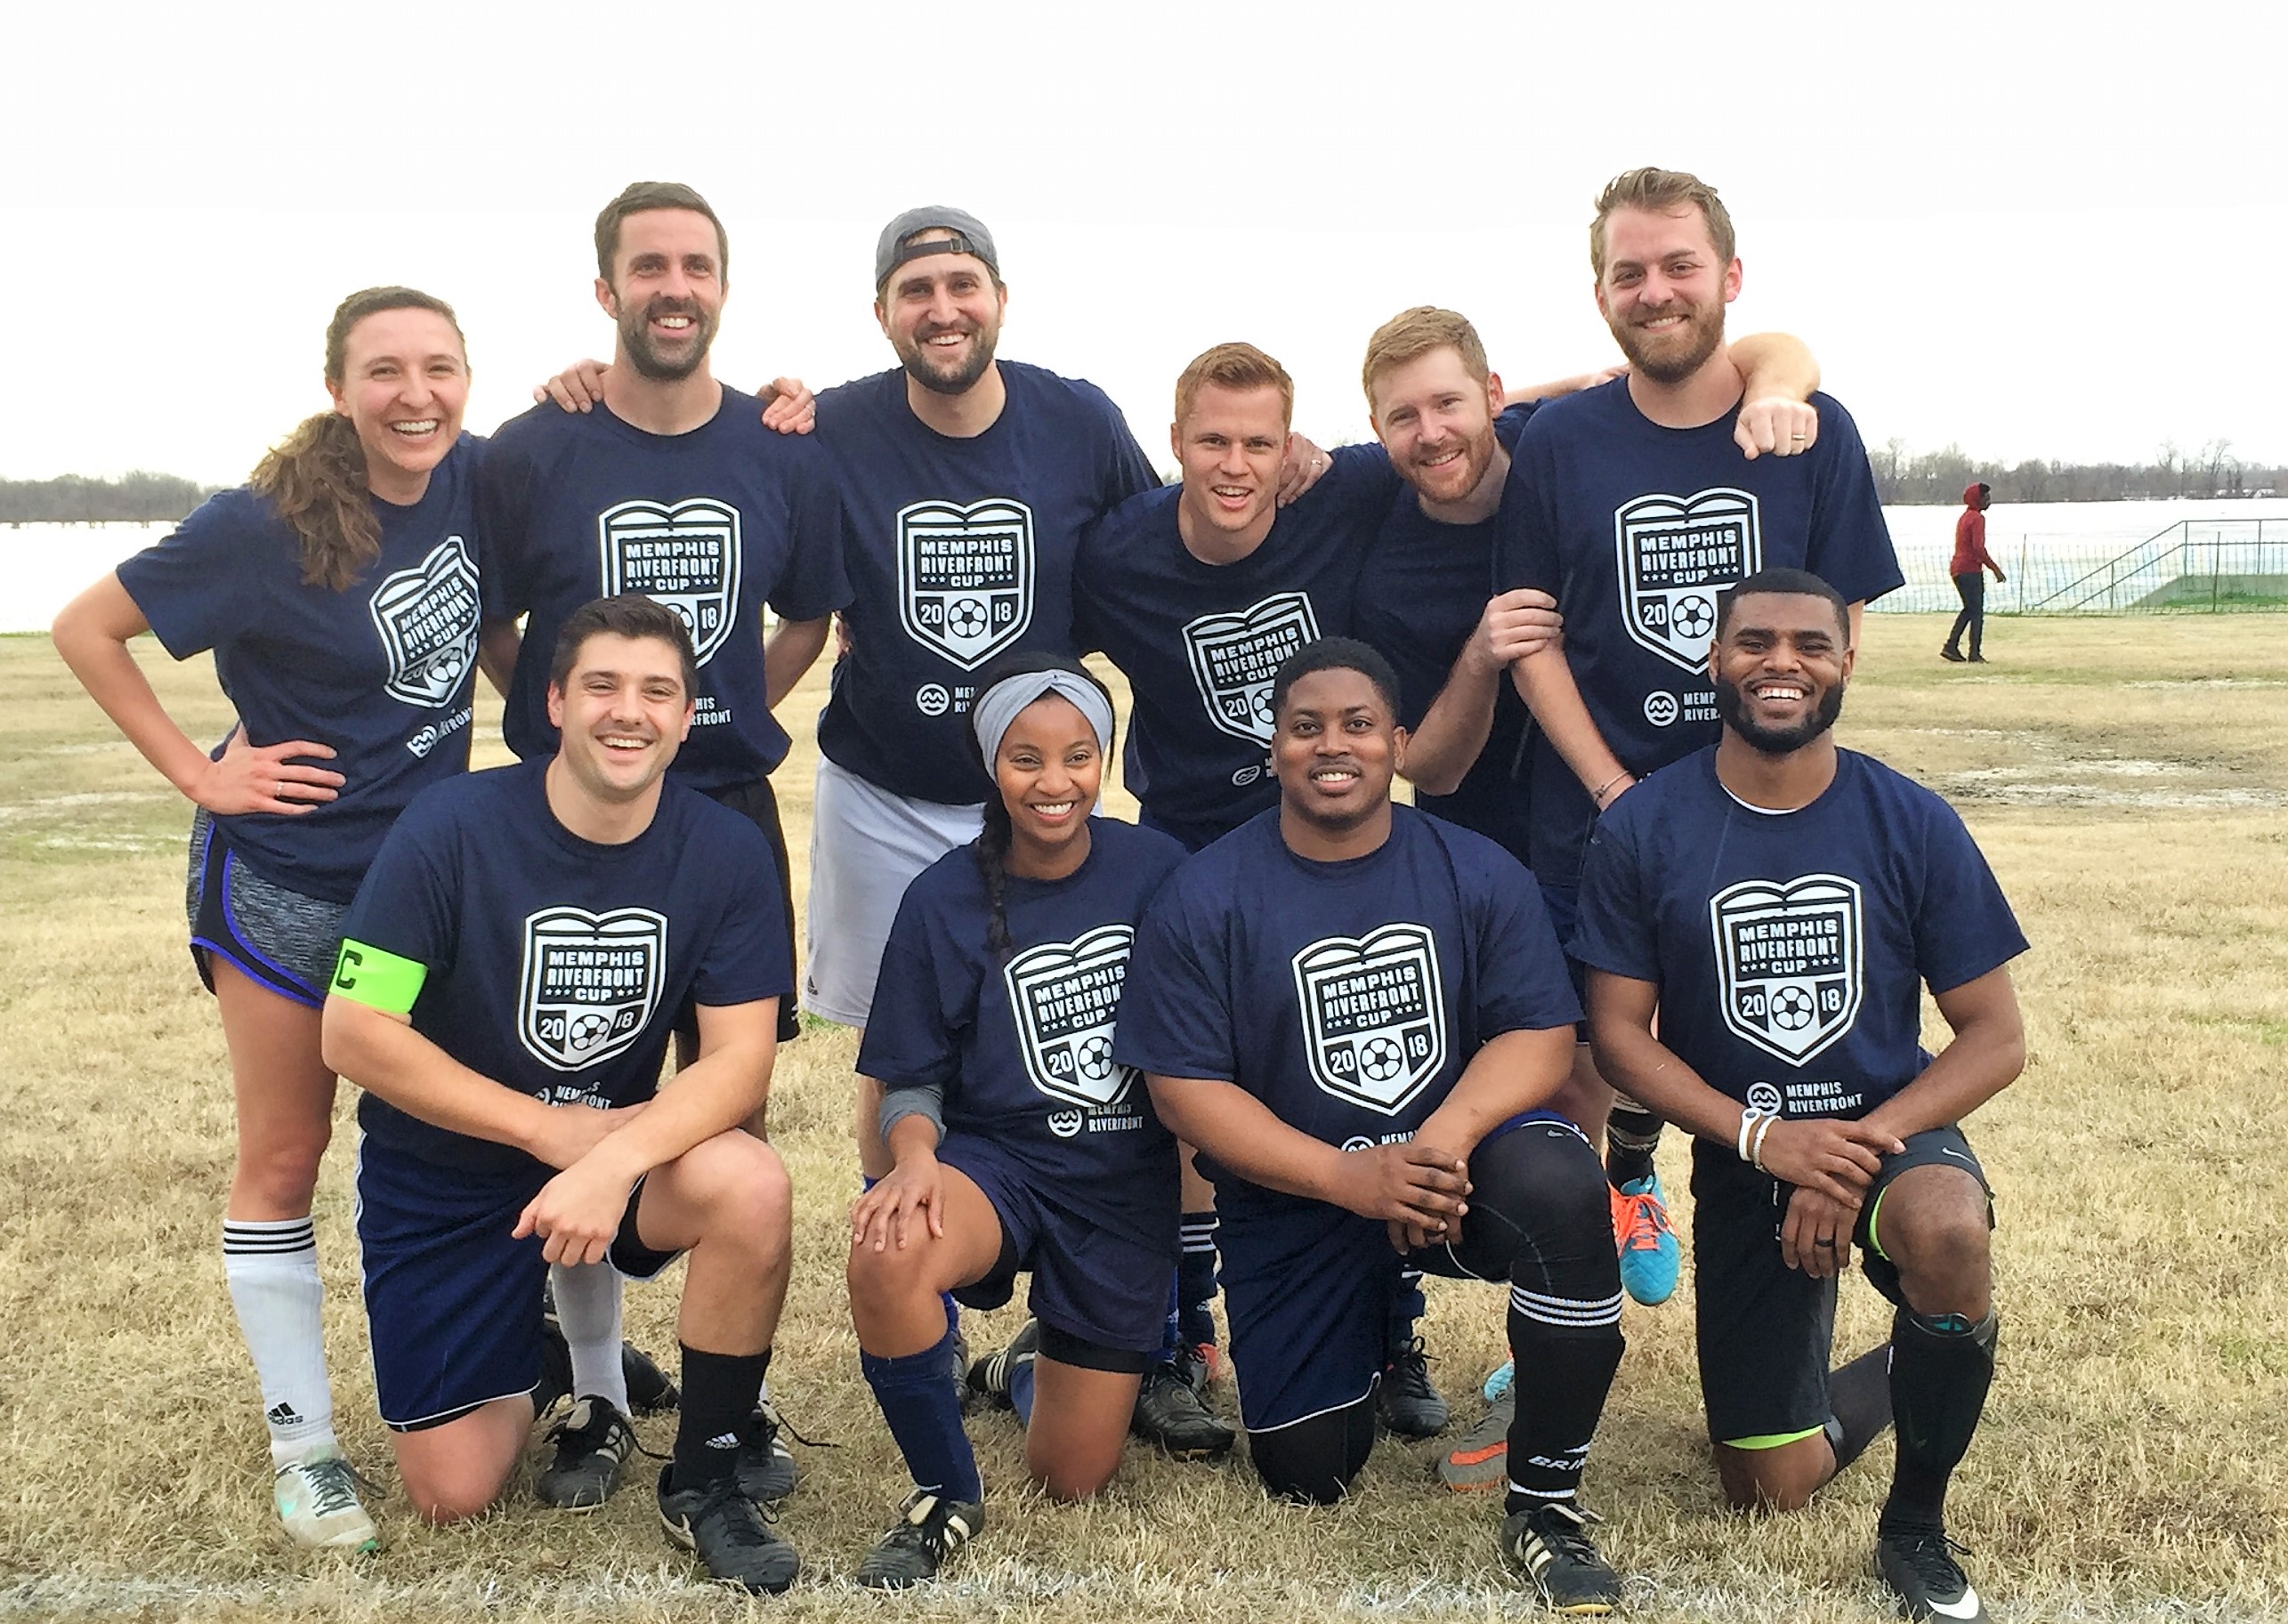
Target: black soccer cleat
[(1407, 1403), (1921, 1571), (989, 1379), (650, 1390), (593, 1443), (1169, 1414), (1550, 1545), (729, 1533), (929, 1530), (766, 1467)]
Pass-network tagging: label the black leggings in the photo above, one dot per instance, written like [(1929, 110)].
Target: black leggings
[(1540, 1219)]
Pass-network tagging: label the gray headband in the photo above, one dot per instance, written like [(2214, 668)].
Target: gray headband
[(997, 707)]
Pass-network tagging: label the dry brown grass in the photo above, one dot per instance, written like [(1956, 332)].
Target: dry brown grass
[(2129, 781)]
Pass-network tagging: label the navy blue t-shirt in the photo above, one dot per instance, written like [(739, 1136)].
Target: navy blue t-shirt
[(961, 549), (714, 523), (556, 967), (1635, 529), (1200, 642), (1347, 997), (1420, 596), (381, 672), (1020, 1046), (1792, 948)]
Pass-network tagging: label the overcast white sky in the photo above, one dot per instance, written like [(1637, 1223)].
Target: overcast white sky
[(2038, 230)]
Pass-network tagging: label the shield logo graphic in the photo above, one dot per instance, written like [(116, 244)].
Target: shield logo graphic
[(590, 985), (1374, 1016), (1675, 554), (427, 618), (1066, 996), (966, 577), (1788, 960), (683, 554), (1234, 656)]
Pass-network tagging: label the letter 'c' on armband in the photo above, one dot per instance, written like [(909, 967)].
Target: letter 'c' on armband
[(378, 978)]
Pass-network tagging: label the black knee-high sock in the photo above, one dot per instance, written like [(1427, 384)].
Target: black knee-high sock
[(1572, 1345), (719, 1393), (1859, 1402), (1631, 1135), (1941, 1367)]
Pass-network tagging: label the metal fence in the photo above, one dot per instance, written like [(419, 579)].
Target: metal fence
[(2195, 566)]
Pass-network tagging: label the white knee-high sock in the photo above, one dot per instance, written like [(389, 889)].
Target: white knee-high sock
[(587, 1307), (272, 1268)]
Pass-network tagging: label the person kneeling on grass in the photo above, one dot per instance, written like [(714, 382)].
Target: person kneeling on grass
[(1355, 1011), (509, 975), (1781, 904), (1019, 1145)]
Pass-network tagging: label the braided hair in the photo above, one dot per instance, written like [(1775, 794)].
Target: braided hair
[(993, 841)]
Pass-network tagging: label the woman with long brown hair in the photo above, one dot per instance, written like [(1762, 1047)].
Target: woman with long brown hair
[(338, 591)]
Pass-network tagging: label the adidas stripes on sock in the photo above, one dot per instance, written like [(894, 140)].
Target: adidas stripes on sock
[(272, 1268), (588, 1311)]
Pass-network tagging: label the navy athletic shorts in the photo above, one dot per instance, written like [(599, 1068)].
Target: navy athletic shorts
[(1766, 1332), (1309, 1288), (276, 938), (1088, 1281), (452, 1302)]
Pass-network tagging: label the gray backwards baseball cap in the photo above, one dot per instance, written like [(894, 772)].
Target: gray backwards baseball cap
[(969, 237)]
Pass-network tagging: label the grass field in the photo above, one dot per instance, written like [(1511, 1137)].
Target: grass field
[(2128, 780)]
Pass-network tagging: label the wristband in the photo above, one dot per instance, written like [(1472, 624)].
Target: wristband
[(1751, 1117), (1756, 1145)]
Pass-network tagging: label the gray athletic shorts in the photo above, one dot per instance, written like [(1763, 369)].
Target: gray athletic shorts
[(867, 846), (276, 938)]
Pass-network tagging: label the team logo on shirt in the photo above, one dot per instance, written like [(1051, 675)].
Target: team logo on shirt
[(1374, 1016), (1234, 656), (427, 618), (683, 554), (966, 577), (590, 985), (1788, 962), (1674, 555), (1065, 995)]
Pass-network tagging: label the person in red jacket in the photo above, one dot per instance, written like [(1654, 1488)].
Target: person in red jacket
[(1969, 567)]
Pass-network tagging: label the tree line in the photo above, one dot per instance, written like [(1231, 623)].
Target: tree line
[(137, 497), (1904, 478)]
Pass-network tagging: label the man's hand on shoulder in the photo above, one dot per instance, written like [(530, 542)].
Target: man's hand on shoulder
[(575, 388), (1777, 426), (789, 407), (1300, 468)]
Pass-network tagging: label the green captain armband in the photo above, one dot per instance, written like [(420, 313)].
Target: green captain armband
[(377, 979)]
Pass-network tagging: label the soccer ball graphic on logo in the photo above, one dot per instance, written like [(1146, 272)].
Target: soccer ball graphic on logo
[(965, 617), (1694, 618), (1792, 1009), (1381, 1058), (1095, 1057), (585, 1031)]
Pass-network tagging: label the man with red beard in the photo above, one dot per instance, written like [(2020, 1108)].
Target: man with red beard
[(1635, 507)]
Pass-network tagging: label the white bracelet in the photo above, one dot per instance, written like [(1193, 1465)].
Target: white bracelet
[(1750, 1117), (1756, 1145)]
